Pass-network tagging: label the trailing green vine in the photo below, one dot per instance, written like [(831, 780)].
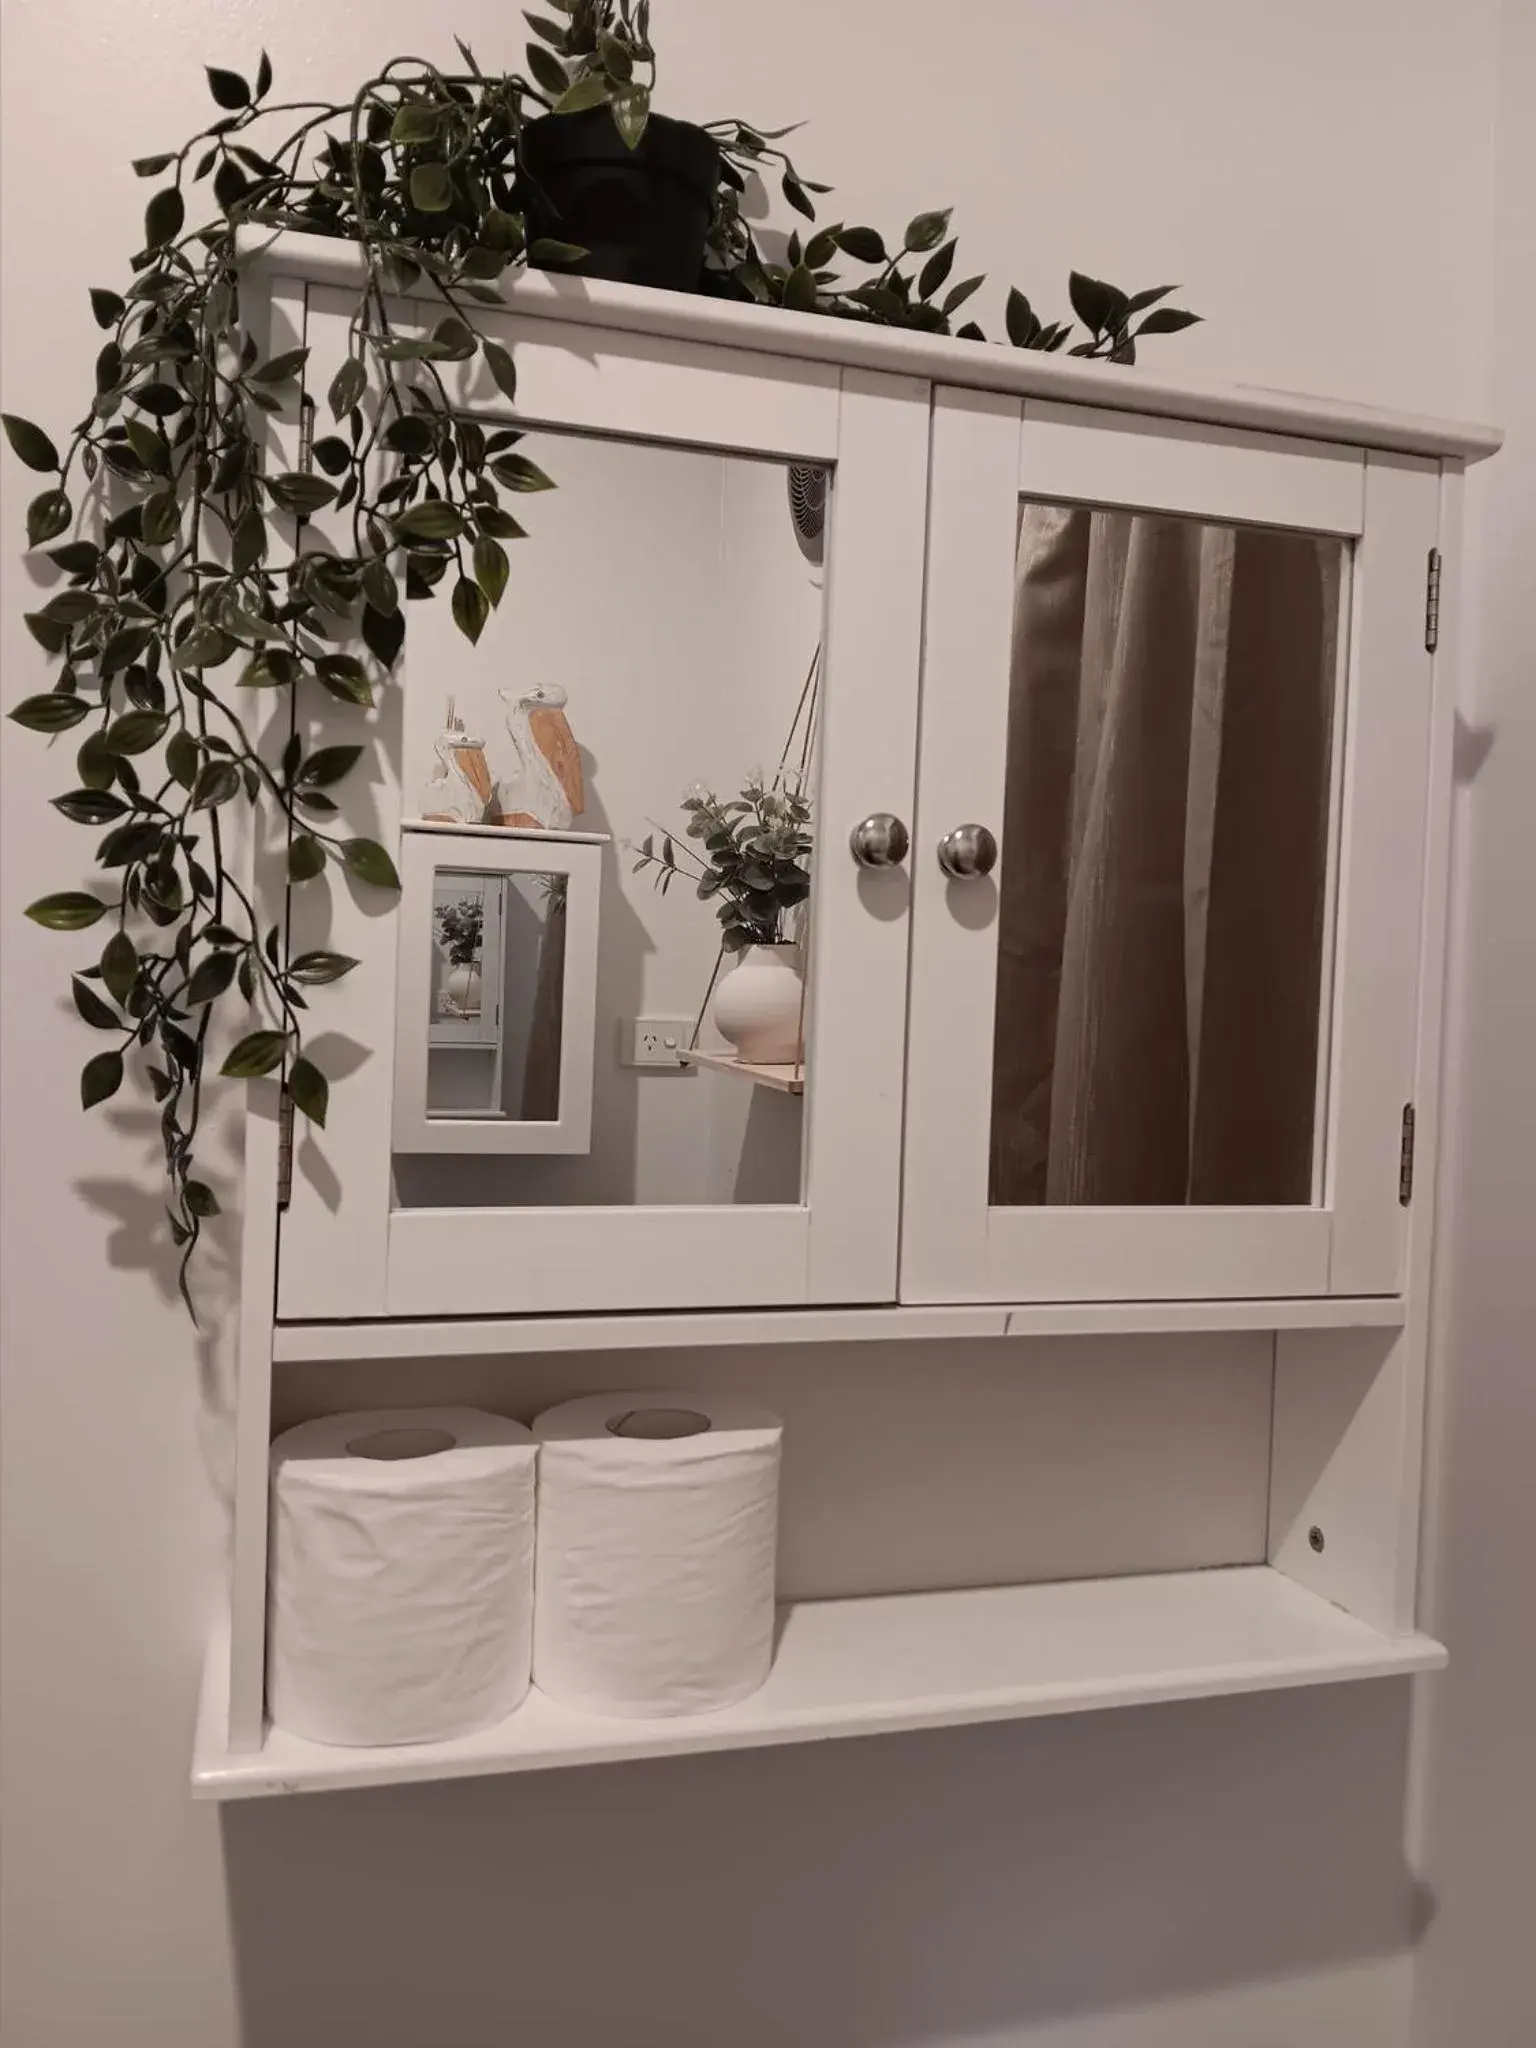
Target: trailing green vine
[(179, 594)]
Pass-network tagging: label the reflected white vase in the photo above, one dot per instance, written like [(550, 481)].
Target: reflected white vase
[(462, 988), (758, 1005)]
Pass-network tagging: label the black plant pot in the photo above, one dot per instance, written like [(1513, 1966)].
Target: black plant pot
[(641, 214)]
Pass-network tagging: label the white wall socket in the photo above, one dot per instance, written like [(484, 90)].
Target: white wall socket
[(656, 1041)]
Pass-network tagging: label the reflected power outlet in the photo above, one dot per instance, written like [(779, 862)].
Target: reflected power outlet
[(656, 1041)]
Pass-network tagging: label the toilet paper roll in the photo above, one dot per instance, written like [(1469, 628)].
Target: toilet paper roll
[(400, 1596), (658, 1521)]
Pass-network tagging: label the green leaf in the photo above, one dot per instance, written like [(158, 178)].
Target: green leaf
[(502, 231), (228, 88), (100, 1078), (379, 585), (281, 367), (48, 516), (470, 609), (368, 861), (431, 188), (30, 442), (410, 434), (1167, 320), (163, 218), (498, 361), (549, 74), (157, 397), (415, 122), (51, 713), (348, 386), (333, 454), (383, 633), (800, 290), (263, 76), (90, 806), (864, 245), (149, 447), (547, 250), (200, 1199), (248, 542), (1019, 319), (215, 784), (255, 1054), (100, 1015), (136, 731), (273, 668), (50, 634), (306, 858), (1099, 306), (797, 195), (314, 968), (120, 965), (936, 270), (152, 166), (588, 91), (310, 1090), (329, 764), (500, 525), (455, 342), (298, 493), (957, 294), (926, 231), (76, 557), (433, 519), (162, 518), (96, 764), (490, 560), (519, 474), (106, 307), (212, 975), (68, 911), (345, 677), (631, 109)]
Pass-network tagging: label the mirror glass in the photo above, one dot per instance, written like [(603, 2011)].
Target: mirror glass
[(497, 977), (1165, 894), (651, 679)]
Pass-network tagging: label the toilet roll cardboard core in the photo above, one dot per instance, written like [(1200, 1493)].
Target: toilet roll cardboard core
[(658, 1423), (401, 1443)]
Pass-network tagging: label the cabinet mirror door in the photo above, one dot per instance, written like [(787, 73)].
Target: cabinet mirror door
[(641, 1014), (1172, 770)]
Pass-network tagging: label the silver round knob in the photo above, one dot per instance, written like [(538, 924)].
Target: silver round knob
[(968, 851), (880, 841)]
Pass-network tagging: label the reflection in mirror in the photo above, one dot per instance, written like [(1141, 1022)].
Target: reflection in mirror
[(656, 657), (496, 986), (1164, 928)]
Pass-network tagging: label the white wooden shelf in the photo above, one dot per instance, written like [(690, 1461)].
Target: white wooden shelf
[(788, 1079), (908, 1660), (493, 1336)]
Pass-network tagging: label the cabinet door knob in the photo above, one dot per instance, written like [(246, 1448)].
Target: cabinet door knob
[(880, 841), (968, 851)]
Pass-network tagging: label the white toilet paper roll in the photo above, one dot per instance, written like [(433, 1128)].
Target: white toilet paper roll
[(658, 1520), (400, 1597)]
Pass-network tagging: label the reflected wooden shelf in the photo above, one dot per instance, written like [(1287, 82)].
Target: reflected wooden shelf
[(788, 1079)]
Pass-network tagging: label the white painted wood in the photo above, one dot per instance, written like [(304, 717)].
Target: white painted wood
[(489, 1337), (545, 1261), (857, 986), (423, 856), (253, 1405), (802, 337), (1381, 873), (916, 1660), (1349, 1414), (967, 636), (1139, 1254), (1086, 454), (504, 832)]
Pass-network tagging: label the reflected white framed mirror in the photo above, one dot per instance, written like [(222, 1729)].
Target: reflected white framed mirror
[(496, 990)]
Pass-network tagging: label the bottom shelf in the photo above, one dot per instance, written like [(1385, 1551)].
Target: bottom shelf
[(906, 1660)]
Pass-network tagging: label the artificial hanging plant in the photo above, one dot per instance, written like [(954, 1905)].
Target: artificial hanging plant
[(178, 604)]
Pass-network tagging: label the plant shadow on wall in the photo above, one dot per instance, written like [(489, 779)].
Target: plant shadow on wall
[(180, 614)]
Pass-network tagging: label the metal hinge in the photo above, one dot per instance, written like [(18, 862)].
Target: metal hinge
[(1405, 1158), (307, 435), (1432, 603), (284, 1151)]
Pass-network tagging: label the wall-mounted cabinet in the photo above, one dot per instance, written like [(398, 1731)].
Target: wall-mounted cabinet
[(1118, 712)]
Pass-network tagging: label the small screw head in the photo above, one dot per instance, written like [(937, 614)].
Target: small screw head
[(1316, 1537)]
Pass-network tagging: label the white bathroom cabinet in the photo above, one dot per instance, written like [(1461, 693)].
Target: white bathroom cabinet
[(1139, 1035)]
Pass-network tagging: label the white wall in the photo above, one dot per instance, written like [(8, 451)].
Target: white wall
[(1477, 1982), (1224, 1875)]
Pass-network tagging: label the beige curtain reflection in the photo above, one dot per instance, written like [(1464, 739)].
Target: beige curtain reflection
[(541, 1073), (1165, 855)]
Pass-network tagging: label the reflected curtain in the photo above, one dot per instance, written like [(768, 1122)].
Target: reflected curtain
[(541, 1069), (1165, 858)]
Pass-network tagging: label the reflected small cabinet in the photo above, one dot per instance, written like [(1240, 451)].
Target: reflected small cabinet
[(926, 825)]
